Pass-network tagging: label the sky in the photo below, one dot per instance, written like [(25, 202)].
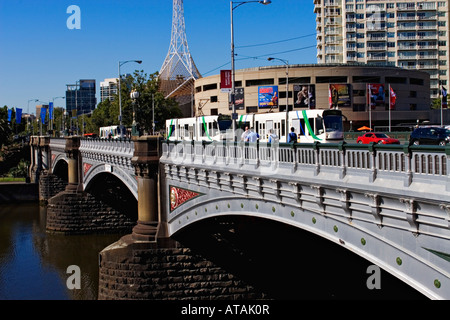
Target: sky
[(40, 54)]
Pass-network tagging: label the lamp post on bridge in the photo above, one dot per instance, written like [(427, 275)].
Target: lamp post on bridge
[(134, 95), (121, 63), (287, 90), (234, 5)]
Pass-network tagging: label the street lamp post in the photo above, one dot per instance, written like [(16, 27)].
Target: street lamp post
[(232, 7), (287, 91), (134, 96), (51, 119), (29, 115), (121, 63)]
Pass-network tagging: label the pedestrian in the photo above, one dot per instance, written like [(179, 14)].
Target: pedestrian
[(244, 134), (292, 137), (252, 136), (272, 136)]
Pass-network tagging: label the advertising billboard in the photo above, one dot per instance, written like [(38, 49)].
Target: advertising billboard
[(268, 97), (340, 95), (305, 96)]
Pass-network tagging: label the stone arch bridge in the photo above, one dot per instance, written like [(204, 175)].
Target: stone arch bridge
[(387, 204)]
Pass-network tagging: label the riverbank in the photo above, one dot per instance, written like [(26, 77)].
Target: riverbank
[(18, 192)]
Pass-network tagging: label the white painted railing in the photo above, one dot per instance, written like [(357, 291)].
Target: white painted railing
[(407, 162)]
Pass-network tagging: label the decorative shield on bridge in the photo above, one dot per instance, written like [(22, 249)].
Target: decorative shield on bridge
[(178, 196)]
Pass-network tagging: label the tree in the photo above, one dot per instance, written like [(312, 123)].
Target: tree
[(107, 112)]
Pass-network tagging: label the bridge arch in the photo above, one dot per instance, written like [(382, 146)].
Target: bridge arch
[(111, 190), (286, 262), (122, 175), (60, 168), (366, 242)]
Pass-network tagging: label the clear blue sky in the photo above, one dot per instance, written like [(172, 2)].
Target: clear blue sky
[(39, 55)]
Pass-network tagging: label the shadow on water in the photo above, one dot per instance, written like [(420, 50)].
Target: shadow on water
[(33, 262)]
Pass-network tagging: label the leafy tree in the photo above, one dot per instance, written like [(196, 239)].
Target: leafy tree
[(107, 112)]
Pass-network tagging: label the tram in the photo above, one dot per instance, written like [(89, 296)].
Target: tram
[(322, 125)]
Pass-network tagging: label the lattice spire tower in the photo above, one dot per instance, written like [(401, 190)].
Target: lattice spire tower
[(178, 71)]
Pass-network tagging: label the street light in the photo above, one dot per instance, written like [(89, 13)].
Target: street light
[(121, 63), (134, 95), (287, 90), (287, 78), (51, 119), (232, 7), (29, 115)]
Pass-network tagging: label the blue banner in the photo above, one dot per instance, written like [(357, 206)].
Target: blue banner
[(43, 114), (18, 115), (9, 114), (50, 110)]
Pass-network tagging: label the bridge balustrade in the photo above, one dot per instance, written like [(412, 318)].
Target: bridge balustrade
[(116, 151), (407, 163)]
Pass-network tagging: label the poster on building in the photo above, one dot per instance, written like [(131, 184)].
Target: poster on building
[(238, 99), (305, 96), (268, 97), (340, 95), (376, 95)]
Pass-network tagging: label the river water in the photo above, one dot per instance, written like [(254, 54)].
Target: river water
[(34, 264)]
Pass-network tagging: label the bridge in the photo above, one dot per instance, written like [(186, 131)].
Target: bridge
[(388, 204)]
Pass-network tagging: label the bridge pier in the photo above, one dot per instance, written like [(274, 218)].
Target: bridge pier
[(147, 264), (146, 161)]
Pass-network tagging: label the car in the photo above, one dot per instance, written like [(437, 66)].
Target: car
[(376, 137), (430, 135)]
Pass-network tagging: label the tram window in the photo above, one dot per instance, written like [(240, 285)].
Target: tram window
[(319, 125), (301, 132), (283, 127), (186, 130)]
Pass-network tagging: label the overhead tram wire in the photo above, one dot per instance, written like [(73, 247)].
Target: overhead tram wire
[(275, 42), (258, 57)]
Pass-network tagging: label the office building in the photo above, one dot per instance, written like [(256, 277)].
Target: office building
[(408, 34), (80, 97)]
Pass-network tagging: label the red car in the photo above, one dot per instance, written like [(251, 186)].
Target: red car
[(376, 137)]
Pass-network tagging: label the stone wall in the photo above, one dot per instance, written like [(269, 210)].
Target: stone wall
[(134, 271), (12, 192), (82, 213), (50, 185)]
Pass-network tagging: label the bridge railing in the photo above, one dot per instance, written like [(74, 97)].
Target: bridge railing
[(115, 151), (403, 162)]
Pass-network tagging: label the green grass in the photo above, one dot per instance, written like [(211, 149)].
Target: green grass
[(11, 179)]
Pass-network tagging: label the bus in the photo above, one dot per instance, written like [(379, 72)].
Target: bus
[(322, 125)]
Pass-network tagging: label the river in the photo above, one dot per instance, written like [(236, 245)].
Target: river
[(34, 263)]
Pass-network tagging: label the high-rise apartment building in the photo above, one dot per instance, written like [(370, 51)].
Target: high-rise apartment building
[(404, 33), (108, 88), (80, 97)]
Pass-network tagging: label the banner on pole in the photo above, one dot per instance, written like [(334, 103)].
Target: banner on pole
[(18, 115), (9, 114), (43, 114), (392, 98), (50, 110), (444, 98), (376, 95), (225, 81)]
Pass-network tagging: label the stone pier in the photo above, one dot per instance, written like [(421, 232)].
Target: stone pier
[(147, 264)]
